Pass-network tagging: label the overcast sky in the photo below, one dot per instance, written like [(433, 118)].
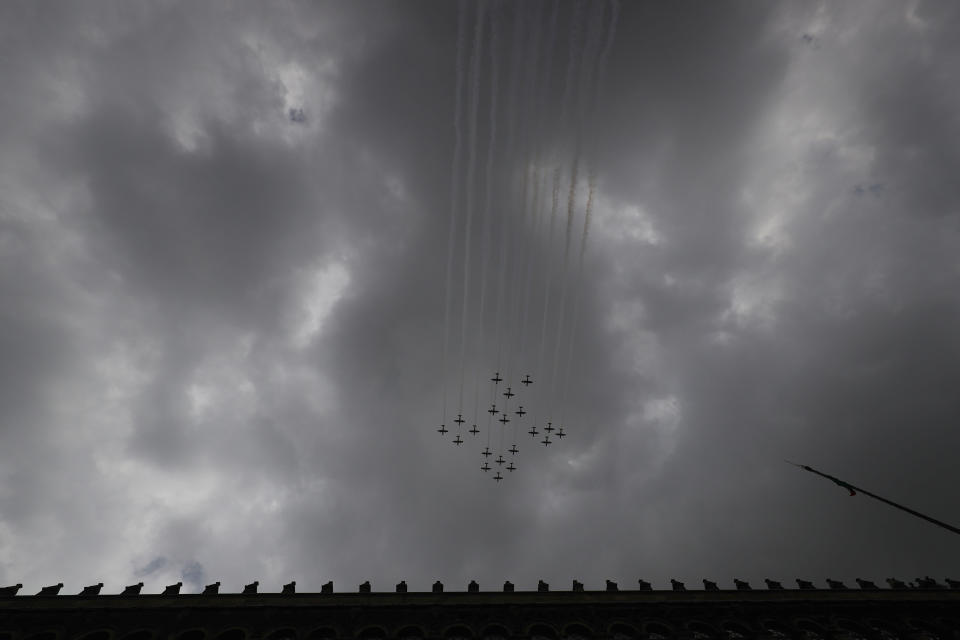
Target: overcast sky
[(224, 236)]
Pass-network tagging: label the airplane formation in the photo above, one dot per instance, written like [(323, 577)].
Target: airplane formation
[(516, 197), (504, 418)]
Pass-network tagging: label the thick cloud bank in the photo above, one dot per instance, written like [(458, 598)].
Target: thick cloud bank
[(223, 246)]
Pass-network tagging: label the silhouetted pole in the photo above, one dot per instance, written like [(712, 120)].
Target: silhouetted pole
[(853, 491)]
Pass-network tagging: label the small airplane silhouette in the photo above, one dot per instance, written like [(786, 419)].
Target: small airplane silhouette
[(527, 380), (498, 477), (493, 409), (509, 393), (500, 460), (496, 379), (504, 419), (485, 467), (549, 427), (443, 429), (560, 433), (486, 452), (546, 441), (458, 441), (474, 431), (520, 412), (514, 450), (459, 419), (533, 431), (510, 467)]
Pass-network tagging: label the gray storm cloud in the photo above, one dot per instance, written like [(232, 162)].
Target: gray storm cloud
[(224, 236)]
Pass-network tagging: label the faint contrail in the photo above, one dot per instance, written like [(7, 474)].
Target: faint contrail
[(529, 198), (471, 170), (548, 284), (592, 180), (599, 72), (587, 53), (571, 202), (511, 131), (488, 195), (454, 193)]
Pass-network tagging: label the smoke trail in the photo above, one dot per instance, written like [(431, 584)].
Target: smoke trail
[(548, 284), (520, 261), (471, 165), (585, 63), (454, 193), (577, 288), (511, 130), (572, 57), (539, 101), (528, 277), (549, 277), (488, 196), (571, 202), (605, 53), (592, 181)]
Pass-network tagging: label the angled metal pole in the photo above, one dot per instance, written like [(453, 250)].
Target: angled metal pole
[(853, 491)]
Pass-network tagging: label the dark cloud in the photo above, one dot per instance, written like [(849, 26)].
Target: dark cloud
[(194, 575), (223, 241), (154, 565)]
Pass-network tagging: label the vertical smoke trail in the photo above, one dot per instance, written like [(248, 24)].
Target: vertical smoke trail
[(548, 284), (471, 164), (598, 86), (555, 201), (586, 63), (528, 276), (577, 288), (511, 131), (454, 193), (539, 102), (572, 57), (527, 105), (571, 202), (605, 53), (488, 196)]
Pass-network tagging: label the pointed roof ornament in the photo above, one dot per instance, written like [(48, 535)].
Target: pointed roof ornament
[(52, 590)]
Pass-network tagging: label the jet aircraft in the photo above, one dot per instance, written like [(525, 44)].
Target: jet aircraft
[(496, 379), (560, 433), (504, 419), (486, 452), (493, 409), (533, 431), (485, 467), (458, 441), (498, 477), (459, 419), (546, 440), (443, 429), (520, 412), (500, 460), (527, 380), (548, 428), (514, 450), (474, 431), (509, 393), (510, 467)]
